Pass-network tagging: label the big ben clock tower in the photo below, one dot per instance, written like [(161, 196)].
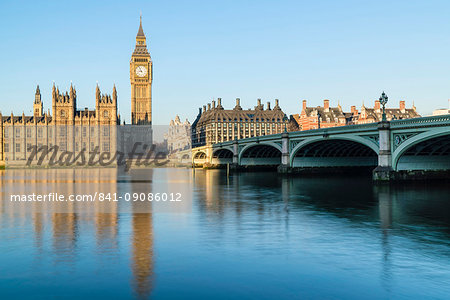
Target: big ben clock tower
[(141, 73)]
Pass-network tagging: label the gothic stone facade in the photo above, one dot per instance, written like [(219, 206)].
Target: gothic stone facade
[(214, 124), (178, 136), (76, 130), (67, 128), (141, 76)]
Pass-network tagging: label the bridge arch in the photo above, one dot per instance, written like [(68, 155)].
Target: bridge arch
[(222, 156), (429, 150), (260, 154), (342, 151), (199, 157)]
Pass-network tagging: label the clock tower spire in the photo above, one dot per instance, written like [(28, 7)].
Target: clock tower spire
[(141, 76)]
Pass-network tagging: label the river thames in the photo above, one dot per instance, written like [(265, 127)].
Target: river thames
[(247, 236)]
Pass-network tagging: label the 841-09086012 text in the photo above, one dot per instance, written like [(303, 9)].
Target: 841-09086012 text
[(101, 197)]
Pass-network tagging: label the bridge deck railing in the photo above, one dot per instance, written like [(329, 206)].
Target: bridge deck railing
[(421, 122)]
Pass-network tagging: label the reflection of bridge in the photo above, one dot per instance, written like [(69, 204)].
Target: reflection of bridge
[(398, 148)]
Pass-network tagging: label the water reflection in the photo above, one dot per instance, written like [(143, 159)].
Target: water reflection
[(383, 194), (142, 238), (278, 236), (64, 218)]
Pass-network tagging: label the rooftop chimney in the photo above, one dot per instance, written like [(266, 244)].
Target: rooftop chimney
[(209, 106), (268, 105), (353, 110), (276, 104), (402, 106), (377, 105), (258, 104), (304, 105), (213, 104), (238, 104), (204, 108), (326, 104)]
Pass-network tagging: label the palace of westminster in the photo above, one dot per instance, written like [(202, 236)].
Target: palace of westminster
[(100, 130), (75, 130)]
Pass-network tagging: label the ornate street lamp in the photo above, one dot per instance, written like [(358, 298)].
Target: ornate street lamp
[(285, 119), (383, 100)]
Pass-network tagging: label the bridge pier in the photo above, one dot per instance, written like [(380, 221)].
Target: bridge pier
[(285, 166), (384, 171), (235, 164)]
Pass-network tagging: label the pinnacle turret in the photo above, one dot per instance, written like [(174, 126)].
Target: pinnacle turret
[(140, 31)]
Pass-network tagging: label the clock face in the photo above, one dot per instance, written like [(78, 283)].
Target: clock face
[(141, 71)]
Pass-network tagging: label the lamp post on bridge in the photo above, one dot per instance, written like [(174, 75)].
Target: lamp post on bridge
[(284, 167), (383, 100), (384, 171)]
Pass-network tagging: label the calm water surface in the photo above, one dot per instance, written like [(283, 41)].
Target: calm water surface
[(251, 236)]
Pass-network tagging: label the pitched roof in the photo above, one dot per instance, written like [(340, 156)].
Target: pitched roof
[(333, 114), (250, 115), (391, 113)]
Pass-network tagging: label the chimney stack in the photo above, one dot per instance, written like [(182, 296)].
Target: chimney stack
[(238, 104), (268, 105), (377, 105), (204, 108), (258, 104), (304, 105), (326, 104), (213, 104), (353, 110), (402, 106), (209, 106)]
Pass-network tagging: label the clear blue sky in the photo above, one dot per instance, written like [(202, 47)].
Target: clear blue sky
[(292, 50)]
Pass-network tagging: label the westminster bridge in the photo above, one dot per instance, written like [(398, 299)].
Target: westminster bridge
[(395, 149)]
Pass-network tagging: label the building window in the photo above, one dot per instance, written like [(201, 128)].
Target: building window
[(29, 147), (92, 131), (18, 132), (28, 132), (50, 132), (62, 131), (63, 146), (6, 148), (106, 146), (40, 133), (77, 147), (6, 133), (106, 114), (17, 147), (84, 131), (106, 131)]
